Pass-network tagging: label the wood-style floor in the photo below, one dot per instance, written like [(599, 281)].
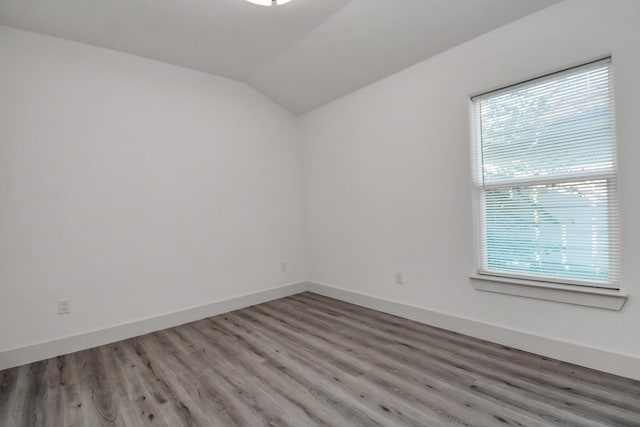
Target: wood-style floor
[(309, 360)]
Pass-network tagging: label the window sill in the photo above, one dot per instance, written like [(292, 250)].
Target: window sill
[(610, 299)]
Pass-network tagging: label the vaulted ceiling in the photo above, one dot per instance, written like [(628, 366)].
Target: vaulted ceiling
[(302, 54)]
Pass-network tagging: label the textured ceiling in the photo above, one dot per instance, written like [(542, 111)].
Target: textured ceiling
[(302, 54)]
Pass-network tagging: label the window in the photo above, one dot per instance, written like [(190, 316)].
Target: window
[(545, 181)]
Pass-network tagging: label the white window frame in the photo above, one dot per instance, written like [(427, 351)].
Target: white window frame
[(564, 290)]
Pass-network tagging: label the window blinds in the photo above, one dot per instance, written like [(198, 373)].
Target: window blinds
[(546, 179)]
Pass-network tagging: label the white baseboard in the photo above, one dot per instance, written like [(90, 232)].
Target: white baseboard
[(615, 363), (46, 350)]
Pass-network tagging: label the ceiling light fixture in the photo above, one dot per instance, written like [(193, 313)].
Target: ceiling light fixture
[(269, 2)]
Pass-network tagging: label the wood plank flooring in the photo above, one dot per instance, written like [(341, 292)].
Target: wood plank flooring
[(308, 360)]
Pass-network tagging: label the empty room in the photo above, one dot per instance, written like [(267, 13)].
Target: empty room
[(319, 213)]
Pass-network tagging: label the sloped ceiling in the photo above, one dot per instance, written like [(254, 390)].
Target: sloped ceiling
[(302, 54)]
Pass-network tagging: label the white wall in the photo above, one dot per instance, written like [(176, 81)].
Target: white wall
[(388, 182), (135, 188)]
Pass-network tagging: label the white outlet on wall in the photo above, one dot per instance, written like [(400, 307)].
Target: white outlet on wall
[(399, 278), (283, 266), (64, 306)]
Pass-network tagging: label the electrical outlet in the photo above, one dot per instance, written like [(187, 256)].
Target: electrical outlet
[(399, 278), (64, 306), (283, 266)]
